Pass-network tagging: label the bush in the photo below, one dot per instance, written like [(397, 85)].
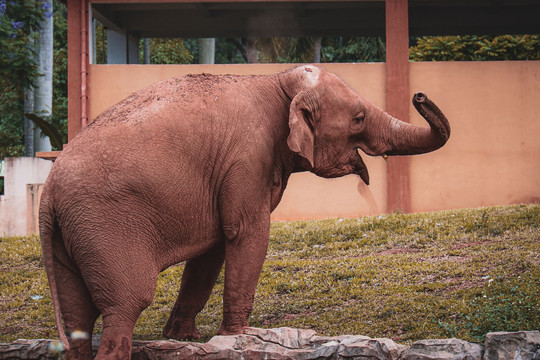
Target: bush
[(476, 48)]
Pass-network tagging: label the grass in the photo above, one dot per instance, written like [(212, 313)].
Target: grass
[(407, 277)]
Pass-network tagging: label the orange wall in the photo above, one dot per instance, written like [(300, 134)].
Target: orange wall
[(492, 156)]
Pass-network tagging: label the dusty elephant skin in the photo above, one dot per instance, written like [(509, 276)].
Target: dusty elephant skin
[(189, 169)]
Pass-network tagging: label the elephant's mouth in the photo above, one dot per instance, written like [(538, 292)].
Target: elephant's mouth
[(360, 168)]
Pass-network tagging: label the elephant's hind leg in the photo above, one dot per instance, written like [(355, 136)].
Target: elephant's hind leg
[(198, 280), (121, 292), (78, 310), (121, 300), (119, 318)]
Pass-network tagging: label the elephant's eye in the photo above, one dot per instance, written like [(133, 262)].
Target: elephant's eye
[(359, 118)]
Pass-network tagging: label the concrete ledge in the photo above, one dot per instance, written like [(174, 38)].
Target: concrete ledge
[(48, 155), (287, 343)]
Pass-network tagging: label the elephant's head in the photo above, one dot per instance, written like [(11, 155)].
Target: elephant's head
[(329, 123)]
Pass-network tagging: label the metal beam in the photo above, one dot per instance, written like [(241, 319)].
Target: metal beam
[(109, 23)]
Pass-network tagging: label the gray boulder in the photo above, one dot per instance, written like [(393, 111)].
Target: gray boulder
[(521, 345), (368, 349), (295, 344), (443, 349)]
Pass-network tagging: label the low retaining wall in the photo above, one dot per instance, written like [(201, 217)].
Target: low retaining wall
[(287, 343), (23, 183)]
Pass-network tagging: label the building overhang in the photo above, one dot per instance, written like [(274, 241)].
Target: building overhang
[(165, 18)]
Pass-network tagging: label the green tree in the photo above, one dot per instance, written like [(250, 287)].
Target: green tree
[(476, 48), (228, 51), (60, 102), (42, 90), (19, 22), (353, 49), (19, 26), (287, 49), (169, 51)]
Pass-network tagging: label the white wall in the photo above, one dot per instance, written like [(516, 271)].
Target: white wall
[(14, 204)]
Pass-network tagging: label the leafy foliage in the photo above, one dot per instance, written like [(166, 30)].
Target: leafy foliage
[(19, 23), (229, 51), (353, 49), (270, 50), (407, 277), (285, 49), (169, 51), (60, 63), (507, 301), (47, 129), (101, 44), (11, 122), (476, 48)]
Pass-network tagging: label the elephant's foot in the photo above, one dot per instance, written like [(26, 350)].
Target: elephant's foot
[(234, 323), (181, 329), (80, 350), (231, 330), (115, 343)]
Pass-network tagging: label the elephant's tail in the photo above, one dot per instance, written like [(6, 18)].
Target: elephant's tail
[(47, 228)]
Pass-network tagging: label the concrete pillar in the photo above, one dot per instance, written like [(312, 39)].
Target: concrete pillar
[(116, 47), (207, 49), (122, 48), (397, 98), (146, 51), (133, 49)]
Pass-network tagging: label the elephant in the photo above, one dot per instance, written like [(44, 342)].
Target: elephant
[(190, 169)]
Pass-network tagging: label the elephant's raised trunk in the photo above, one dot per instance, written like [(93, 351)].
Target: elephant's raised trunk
[(407, 139)]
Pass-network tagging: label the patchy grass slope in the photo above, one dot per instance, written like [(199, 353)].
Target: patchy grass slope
[(408, 277)]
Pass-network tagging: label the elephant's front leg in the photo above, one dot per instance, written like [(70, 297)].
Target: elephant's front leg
[(246, 225), (200, 275), (243, 263)]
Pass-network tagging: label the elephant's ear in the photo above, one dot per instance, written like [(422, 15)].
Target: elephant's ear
[(301, 138)]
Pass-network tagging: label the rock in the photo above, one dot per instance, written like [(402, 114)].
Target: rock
[(294, 344), (287, 337), (29, 349), (369, 349), (521, 345), (444, 349), (350, 339), (170, 349), (281, 343)]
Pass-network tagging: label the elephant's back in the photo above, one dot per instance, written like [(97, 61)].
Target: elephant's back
[(161, 134), (175, 95)]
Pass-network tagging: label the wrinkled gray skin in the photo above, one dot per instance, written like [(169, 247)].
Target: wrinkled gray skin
[(190, 169)]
